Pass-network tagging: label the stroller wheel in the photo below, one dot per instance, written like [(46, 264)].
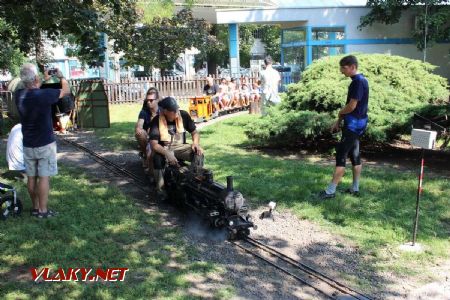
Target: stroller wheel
[(8, 208)]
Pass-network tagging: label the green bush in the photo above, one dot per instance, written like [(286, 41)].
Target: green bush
[(398, 87), (287, 128)]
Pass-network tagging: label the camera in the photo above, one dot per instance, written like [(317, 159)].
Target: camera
[(52, 71)]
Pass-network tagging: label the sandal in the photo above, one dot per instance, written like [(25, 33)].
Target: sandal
[(49, 214), (34, 212)]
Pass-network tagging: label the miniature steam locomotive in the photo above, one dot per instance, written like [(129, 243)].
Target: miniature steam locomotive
[(221, 206)]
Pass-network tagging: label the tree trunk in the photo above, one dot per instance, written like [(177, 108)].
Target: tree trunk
[(212, 67), (39, 51)]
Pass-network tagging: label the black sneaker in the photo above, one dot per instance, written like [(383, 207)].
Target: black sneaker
[(34, 212), (161, 196), (49, 214), (352, 192), (323, 195)]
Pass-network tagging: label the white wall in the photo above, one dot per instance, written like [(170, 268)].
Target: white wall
[(438, 55), (348, 17)]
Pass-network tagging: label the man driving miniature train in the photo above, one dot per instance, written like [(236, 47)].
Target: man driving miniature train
[(168, 139)]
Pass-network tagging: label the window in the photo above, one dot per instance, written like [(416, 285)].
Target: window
[(294, 57), (294, 35), (332, 33), (321, 51)]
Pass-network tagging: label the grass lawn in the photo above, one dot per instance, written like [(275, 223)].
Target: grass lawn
[(98, 227), (120, 136), (378, 222)]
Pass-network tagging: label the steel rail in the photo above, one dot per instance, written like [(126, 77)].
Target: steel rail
[(109, 164), (313, 272), (282, 269), (333, 283)]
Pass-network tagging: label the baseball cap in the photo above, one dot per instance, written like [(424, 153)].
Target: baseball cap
[(169, 103)]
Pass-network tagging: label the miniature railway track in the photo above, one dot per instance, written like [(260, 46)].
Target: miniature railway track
[(303, 273), (327, 286), (141, 184)]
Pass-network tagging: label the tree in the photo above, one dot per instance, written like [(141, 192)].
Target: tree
[(158, 44), (271, 36), (156, 8), (10, 57), (81, 21), (246, 41), (219, 55), (435, 28)]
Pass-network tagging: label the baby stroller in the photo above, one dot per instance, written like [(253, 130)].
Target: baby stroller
[(10, 204)]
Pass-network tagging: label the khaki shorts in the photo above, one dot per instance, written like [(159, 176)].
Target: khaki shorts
[(41, 161)]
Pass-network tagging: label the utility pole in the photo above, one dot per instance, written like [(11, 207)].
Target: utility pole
[(426, 33), (104, 44)]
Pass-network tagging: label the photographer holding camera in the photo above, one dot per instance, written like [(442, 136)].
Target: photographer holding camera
[(53, 78), (39, 145)]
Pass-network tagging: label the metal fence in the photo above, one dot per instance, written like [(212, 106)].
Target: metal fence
[(7, 105)]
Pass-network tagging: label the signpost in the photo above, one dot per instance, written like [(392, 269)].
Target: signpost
[(424, 139)]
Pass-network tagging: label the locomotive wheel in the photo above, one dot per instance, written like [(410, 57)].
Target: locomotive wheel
[(244, 233), (231, 235), (7, 208)]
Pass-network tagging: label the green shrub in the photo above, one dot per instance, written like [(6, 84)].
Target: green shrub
[(398, 87), (287, 128)]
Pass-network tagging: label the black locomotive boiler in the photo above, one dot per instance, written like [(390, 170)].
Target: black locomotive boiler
[(221, 206)]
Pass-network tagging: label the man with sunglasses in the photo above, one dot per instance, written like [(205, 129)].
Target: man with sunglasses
[(148, 112)]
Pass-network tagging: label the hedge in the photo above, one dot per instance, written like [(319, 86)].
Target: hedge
[(398, 87)]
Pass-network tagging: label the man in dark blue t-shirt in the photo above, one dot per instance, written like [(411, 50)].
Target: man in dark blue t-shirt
[(354, 115), (39, 146)]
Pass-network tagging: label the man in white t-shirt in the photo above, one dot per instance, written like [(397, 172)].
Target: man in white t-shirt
[(270, 79), (14, 149)]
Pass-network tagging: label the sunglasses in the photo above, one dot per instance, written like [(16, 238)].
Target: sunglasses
[(151, 100)]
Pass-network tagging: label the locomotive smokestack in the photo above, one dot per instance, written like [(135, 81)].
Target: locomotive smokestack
[(229, 183), (209, 176)]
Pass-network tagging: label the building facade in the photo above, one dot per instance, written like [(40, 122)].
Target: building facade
[(317, 29)]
